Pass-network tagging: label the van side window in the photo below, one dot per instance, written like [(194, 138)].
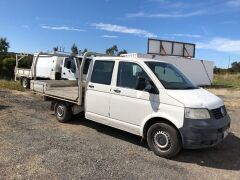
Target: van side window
[(128, 74), (102, 72), (70, 64)]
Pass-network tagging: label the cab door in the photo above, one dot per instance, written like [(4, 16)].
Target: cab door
[(97, 96), (129, 103), (69, 69)]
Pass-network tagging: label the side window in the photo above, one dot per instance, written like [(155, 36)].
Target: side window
[(129, 73), (70, 64), (102, 72), (67, 63)]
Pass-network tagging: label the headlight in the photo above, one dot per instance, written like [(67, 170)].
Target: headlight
[(197, 113)]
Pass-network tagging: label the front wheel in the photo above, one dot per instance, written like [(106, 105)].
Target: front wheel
[(63, 112), (164, 140)]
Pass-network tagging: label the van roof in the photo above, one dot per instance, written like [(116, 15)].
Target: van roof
[(128, 59)]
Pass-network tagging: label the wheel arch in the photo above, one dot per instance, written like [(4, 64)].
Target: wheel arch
[(154, 120)]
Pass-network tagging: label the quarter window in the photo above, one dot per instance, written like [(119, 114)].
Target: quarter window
[(102, 72)]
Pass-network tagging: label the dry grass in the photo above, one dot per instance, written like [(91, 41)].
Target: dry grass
[(12, 85), (227, 80)]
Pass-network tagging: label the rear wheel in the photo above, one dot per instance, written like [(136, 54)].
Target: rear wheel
[(164, 140), (63, 112), (25, 83)]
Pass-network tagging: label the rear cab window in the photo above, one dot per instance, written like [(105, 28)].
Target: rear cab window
[(102, 72), (86, 65)]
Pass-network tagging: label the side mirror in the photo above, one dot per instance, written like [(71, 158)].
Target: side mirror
[(151, 88), (141, 83), (147, 86)]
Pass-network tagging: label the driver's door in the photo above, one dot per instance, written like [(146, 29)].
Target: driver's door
[(126, 103), (69, 69)]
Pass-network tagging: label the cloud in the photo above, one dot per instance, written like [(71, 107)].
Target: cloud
[(165, 15), (221, 44), (109, 36), (65, 28), (25, 26), (185, 35), (233, 3), (123, 29)]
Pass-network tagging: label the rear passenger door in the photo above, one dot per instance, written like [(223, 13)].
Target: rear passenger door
[(98, 90)]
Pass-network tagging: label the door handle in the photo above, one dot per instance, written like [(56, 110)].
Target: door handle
[(117, 90), (91, 86)]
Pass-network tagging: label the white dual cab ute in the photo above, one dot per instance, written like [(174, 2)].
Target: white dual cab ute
[(55, 66), (146, 97)]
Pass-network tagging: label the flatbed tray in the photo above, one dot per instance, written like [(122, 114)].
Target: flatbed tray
[(60, 89)]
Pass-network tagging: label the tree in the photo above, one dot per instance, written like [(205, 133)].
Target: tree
[(4, 45), (85, 50), (235, 66), (124, 51), (112, 51), (74, 49), (8, 67), (55, 49)]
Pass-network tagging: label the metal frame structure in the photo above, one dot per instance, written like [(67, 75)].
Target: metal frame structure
[(19, 57), (172, 51), (80, 67)]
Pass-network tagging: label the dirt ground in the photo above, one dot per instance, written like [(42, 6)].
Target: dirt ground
[(34, 145)]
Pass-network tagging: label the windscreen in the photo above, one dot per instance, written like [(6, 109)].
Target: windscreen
[(170, 76)]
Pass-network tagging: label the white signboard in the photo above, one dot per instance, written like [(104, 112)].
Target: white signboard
[(170, 48)]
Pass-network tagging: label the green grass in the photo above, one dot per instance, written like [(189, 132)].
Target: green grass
[(12, 85), (227, 80)]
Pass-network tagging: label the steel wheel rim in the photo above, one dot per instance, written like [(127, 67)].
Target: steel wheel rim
[(24, 83), (162, 140), (60, 111)]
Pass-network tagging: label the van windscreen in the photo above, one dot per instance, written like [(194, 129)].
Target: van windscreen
[(170, 76)]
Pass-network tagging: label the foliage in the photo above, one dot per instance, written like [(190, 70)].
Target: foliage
[(26, 62), (235, 68), (227, 80), (8, 65), (55, 49), (84, 51), (113, 51), (4, 46), (12, 85), (74, 49)]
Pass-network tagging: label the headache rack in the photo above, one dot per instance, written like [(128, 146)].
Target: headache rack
[(66, 90)]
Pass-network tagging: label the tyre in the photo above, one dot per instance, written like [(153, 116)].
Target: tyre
[(25, 83), (164, 140), (62, 112)]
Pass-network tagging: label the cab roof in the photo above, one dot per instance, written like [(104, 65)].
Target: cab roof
[(127, 59)]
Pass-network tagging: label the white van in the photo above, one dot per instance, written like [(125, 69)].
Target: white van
[(146, 97)]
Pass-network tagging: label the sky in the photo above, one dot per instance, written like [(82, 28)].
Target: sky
[(40, 25)]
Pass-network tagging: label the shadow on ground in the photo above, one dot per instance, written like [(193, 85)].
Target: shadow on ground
[(4, 107), (226, 155), (116, 133)]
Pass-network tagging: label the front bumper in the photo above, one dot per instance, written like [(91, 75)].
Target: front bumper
[(204, 133)]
